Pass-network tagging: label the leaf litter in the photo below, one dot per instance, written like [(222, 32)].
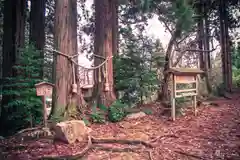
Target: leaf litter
[(213, 134)]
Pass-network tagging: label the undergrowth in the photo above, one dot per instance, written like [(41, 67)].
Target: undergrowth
[(115, 113), (24, 108)]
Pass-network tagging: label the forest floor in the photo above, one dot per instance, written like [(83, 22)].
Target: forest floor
[(213, 134)]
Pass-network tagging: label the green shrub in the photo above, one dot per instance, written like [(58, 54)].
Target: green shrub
[(117, 111), (236, 77), (136, 83), (148, 111), (98, 114), (236, 65), (98, 117)]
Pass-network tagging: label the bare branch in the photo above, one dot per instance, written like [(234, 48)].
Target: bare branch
[(197, 50), (163, 20)]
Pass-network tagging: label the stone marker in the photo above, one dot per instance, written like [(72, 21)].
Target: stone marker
[(71, 131)]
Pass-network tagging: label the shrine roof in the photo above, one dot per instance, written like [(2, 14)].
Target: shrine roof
[(44, 83), (185, 71)]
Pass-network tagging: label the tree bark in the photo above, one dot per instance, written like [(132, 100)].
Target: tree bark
[(229, 56), (228, 49), (65, 39), (37, 27), (200, 40), (164, 94), (201, 35), (207, 59), (13, 39), (115, 34), (225, 47), (104, 47)]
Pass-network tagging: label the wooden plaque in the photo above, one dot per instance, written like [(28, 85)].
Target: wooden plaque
[(186, 94), (185, 79), (44, 89)]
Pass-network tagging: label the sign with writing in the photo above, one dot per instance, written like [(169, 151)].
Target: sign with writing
[(44, 89), (185, 79)]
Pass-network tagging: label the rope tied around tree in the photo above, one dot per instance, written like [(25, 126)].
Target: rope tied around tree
[(102, 66)]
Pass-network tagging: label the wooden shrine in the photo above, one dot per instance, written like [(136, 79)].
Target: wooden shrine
[(184, 76), (44, 89)]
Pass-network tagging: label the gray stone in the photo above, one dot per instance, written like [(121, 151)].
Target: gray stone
[(135, 115), (71, 131)]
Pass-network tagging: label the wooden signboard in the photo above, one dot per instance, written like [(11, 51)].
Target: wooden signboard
[(44, 89), (184, 76), (185, 79)]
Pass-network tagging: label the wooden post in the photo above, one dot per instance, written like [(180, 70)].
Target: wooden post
[(173, 100), (195, 97), (44, 111), (195, 105)]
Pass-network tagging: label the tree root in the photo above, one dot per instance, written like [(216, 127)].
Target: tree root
[(163, 136), (110, 149), (27, 130), (189, 155), (93, 144), (123, 141), (71, 157)]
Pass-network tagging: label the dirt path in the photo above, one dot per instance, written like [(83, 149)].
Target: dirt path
[(213, 134)]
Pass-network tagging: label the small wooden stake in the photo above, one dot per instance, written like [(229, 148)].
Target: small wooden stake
[(44, 111), (195, 105), (173, 99)]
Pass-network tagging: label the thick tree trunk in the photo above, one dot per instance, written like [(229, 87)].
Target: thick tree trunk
[(37, 26), (229, 56), (115, 34), (104, 47), (225, 47), (207, 55), (228, 50), (13, 39), (201, 35), (203, 43), (65, 39), (200, 43), (164, 93)]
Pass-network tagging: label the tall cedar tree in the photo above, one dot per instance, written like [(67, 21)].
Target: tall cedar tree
[(115, 26), (65, 39), (200, 33), (37, 26), (104, 47), (225, 46), (13, 39)]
